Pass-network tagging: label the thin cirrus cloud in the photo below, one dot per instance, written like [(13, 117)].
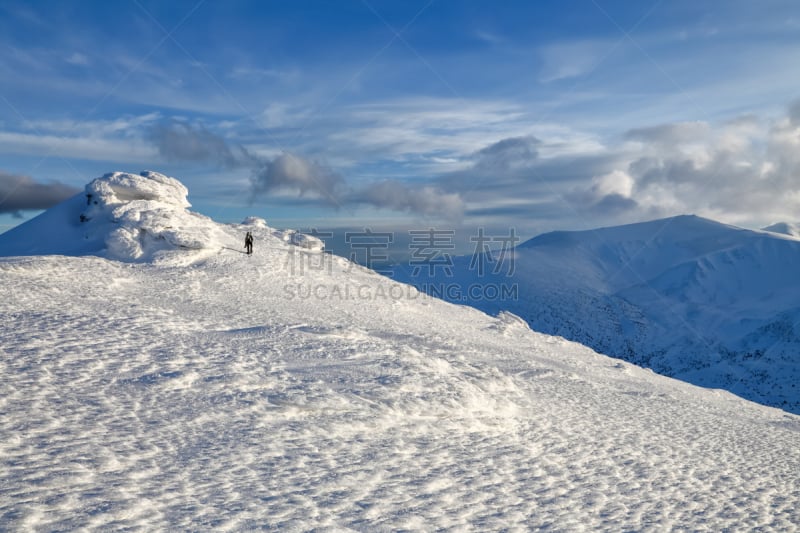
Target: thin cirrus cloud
[(422, 129), (567, 60), (116, 140), (91, 147)]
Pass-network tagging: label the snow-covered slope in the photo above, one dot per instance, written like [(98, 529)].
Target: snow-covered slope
[(786, 228), (691, 298), (292, 390)]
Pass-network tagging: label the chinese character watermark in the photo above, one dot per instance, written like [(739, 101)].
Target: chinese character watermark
[(483, 254), (427, 249), (374, 245)]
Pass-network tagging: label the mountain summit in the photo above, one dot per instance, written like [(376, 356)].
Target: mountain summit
[(128, 217), (785, 228)]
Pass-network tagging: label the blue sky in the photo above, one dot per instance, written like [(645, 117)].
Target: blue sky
[(413, 114)]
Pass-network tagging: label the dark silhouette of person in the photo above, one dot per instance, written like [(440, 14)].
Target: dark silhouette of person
[(248, 243)]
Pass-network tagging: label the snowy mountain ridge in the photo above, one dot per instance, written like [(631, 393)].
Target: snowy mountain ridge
[(202, 389), (692, 298), (131, 217), (791, 229)]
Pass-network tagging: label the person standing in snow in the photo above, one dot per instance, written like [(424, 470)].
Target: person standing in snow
[(248, 243)]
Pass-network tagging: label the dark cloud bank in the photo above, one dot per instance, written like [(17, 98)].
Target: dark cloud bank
[(22, 193)]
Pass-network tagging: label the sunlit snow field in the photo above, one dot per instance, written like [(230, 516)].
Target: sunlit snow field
[(203, 389)]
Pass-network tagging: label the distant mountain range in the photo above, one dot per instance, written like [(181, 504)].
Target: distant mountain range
[(691, 298)]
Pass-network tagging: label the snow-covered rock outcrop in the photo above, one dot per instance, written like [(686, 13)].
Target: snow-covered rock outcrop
[(308, 242), (117, 188), (137, 217), (123, 216), (149, 212)]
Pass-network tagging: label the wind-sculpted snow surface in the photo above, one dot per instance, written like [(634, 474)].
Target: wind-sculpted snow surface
[(221, 395), (192, 387)]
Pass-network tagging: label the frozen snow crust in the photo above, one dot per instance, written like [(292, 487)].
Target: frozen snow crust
[(293, 391), (232, 395)]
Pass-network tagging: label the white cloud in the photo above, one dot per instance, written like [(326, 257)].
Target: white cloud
[(490, 37), (424, 200), (737, 171), (289, 171), (615, 182)]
